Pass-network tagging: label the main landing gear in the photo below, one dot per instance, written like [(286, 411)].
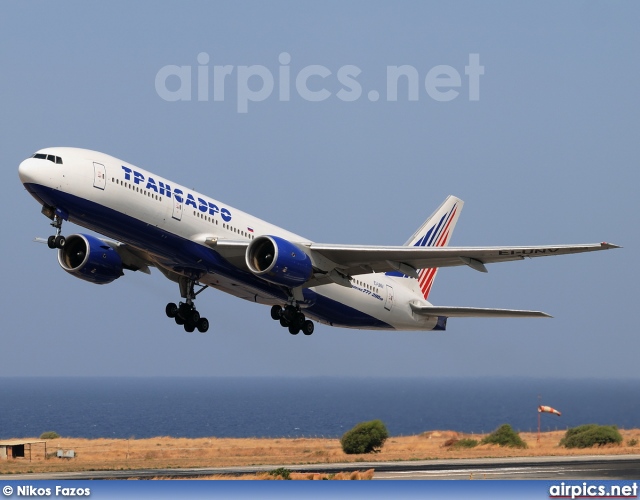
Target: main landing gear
[(185, 313), (57, 240), (290, 317)]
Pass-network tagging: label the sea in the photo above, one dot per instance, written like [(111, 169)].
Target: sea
[(304, 407)]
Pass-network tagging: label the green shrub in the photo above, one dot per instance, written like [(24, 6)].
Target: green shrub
[(365, 437), (586, 436), (632, 442), (465, 443), (505, 436), (49, 435), (280, 472)]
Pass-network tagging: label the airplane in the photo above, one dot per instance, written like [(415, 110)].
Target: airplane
[(199, 242)]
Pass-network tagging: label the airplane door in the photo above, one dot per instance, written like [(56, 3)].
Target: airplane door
[(388, 305), (177, 209), (99, 176)]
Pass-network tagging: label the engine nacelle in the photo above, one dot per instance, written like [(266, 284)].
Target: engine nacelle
[(278, 261), (90, 259)]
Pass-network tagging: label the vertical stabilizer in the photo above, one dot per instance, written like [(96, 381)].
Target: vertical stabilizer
[(435, 232)]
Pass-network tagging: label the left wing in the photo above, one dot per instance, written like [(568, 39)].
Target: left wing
[(133, 258)]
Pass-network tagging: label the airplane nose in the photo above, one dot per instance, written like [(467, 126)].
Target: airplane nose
[(27, 171)]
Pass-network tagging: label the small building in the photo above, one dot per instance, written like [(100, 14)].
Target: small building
[(19, 448)]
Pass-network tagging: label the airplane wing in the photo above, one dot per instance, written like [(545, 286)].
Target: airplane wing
[(474, 312), (233, 251), (133, 258), (352, 260)]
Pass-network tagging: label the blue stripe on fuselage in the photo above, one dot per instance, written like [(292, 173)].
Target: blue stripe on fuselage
[(188, 257)]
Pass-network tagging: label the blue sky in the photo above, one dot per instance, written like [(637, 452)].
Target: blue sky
[(548, 154)]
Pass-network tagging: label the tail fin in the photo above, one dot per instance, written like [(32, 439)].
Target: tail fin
[(435, 232)]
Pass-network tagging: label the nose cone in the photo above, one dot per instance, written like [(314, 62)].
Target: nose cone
[(28, 171)]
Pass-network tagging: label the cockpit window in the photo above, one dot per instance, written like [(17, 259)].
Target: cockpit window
[(51, 158)]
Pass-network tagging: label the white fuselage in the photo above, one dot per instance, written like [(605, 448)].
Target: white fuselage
[(143, 210)]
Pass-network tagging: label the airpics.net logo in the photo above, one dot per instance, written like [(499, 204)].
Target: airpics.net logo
[(314, 82)]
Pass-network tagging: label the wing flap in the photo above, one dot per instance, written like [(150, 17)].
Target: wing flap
[(133, 258), (231, 250)]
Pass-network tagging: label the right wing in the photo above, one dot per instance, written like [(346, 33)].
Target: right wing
[(337, 263), (352, 259)]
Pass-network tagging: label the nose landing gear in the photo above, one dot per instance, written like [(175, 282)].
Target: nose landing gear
[(57, 240), (292, 318)]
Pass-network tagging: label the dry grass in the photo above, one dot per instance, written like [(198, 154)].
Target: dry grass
[(166, 452), (295, 476)]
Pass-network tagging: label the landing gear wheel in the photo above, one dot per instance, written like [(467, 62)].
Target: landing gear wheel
[(203, 325), (294, 330), (283, 322), (57, 240), (300, 320), (171, 310), (184, 313), (289, 314), (276, 313), (194, 316), (308, 327)]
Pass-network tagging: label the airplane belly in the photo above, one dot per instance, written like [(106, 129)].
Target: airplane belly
[(238, 289), (382, 314)]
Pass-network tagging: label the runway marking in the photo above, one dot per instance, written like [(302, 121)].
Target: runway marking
[(493, 472)]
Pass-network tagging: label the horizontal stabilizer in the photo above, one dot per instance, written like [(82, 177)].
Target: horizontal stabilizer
[(475, 312)]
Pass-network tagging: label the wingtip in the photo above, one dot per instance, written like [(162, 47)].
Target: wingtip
[(604, 244)]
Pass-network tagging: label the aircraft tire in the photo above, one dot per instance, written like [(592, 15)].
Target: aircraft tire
[(276, 313), (283, 322), (294, 330), (300, 320), (308, 327), (193, 316), (171, 310), (189, 328), (51, 242), (203, 325)]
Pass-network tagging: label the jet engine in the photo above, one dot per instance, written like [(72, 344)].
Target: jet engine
[(90, 259), (278, 261)]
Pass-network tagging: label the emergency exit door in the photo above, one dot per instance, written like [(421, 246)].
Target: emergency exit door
[(99, 176)]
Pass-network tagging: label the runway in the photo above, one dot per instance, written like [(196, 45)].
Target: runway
[(580, 467)]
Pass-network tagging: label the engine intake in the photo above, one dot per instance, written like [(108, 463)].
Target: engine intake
[(278, 261), (90, 259)]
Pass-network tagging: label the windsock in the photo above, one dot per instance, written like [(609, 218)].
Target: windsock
[(548, 409)]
